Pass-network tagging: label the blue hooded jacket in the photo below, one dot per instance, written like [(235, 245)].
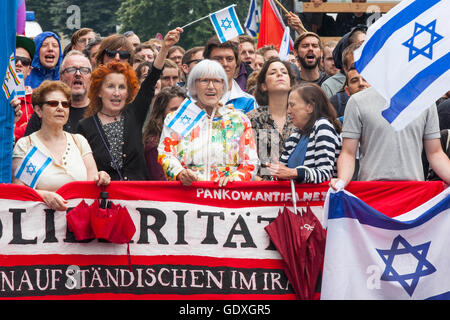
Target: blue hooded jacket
[(39, 73)]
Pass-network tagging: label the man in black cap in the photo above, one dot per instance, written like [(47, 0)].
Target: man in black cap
[(25, 49)]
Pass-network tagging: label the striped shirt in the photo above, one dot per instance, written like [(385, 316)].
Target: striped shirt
[(321, 155)]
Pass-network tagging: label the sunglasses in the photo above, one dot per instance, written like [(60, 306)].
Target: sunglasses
[(73, 70), (124, 55), (55, 103), (25, 61)]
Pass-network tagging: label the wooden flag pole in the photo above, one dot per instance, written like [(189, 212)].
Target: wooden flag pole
[(288, 13)]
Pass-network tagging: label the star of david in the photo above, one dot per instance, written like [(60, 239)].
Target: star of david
[(226, 24), (399, 247), (31, 169), (426, 50), (185, 119)]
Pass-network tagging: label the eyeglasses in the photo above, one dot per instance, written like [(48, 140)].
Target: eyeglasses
[(123, 55), (25, 61), (85, 40), (192, 61), (128, 34), (55, 103), (205, 81), (73, 70)]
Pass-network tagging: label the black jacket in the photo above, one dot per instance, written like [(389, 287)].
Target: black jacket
[(134, 165)]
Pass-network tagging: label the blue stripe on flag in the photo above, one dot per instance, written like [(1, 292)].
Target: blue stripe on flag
[(251, 15), (25, 161), (421, 81), (36, 177), (218, 29), (189, 127), (345, 206), (179, 113), (379, 38), (235, 20)]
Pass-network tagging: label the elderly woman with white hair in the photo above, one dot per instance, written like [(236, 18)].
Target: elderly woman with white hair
[(220, 146)]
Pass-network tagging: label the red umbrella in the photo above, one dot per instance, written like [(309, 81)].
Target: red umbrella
[(102, 220), (300, 240)]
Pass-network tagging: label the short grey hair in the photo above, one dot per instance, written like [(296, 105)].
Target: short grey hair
[(73, 53), (206, 69)]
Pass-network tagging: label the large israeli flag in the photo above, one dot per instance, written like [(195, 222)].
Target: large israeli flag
[(251, 22), (8, 10), (371, 256), (32, 167), (186, 117), (406, 58), (226, 23)]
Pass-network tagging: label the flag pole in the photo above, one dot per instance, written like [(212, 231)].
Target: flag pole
[(288, 13)]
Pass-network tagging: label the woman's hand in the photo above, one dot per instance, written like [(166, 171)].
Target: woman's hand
[(187, 176), (172, 37), (280, 171), (222, 181), (102, 178), (53, 200), (295, 23)]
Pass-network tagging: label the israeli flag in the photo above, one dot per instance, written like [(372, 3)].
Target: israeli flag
[(369, 255), (226, 23), (406, 58), (32, 167), (251, 23), (284, 46), (20, 89), (186, 117)]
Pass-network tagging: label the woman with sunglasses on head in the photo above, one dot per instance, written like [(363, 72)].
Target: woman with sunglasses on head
[(70, 154), (116, 115)]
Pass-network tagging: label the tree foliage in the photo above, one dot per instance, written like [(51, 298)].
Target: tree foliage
[(99, 15), (147, 18)]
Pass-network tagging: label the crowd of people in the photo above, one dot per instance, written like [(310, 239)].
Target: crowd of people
[(103, 107)]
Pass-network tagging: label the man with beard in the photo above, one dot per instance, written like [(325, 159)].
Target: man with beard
[(75, 71), (309, 52)]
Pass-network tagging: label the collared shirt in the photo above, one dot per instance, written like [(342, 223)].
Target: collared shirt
[(239, 99)]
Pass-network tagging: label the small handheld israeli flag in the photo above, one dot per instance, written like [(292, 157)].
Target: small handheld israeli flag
[(20, 89), (226, 23), (186, 117), (32, 167), (251, 24), (284, 46)]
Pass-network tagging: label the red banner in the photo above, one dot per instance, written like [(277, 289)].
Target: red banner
[(199, 242)]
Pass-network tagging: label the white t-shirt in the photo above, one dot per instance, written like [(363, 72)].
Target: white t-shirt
[(56, 175)]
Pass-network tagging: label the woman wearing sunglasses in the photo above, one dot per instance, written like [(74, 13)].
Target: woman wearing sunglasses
[(58, 157), (116, 114)]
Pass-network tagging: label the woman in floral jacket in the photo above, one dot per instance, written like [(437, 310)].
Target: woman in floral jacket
[(219, 146)]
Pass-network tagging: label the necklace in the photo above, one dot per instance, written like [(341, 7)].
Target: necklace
[(111, 116)]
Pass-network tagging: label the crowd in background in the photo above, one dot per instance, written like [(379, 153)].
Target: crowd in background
[(103, 108)]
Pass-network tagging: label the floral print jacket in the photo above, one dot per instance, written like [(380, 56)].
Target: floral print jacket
[(217, 147)]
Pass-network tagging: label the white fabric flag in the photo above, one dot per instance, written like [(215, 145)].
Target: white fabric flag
[(186, 116), (32, 167), (11, 81), (251, 23), (371, 256), (284, 46), (406, 58), (226, 23)]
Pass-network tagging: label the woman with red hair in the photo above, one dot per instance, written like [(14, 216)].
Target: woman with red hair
[(116, 114)]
